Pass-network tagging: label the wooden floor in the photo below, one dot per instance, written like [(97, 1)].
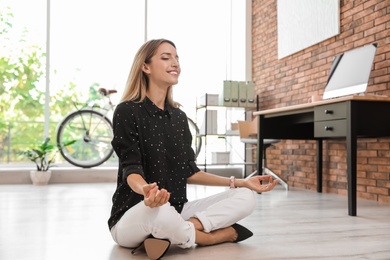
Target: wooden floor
[(69, 221)]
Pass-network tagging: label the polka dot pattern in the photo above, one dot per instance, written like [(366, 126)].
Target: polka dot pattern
[(156, 144)]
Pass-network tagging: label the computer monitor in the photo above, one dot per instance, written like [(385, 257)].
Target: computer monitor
[(350, 71)]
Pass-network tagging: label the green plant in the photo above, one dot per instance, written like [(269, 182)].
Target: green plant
[(44, 155)]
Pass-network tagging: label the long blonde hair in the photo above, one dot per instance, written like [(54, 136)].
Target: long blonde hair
[(137, 82)]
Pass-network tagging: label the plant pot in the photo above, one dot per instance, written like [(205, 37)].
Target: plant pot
[(40, 177)]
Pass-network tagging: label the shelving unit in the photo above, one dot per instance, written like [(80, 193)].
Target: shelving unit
[(221, 145)]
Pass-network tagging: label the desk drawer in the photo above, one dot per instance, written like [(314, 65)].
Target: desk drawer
[(330, 112), (331, 128)]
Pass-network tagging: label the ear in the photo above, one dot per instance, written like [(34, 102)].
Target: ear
[(145, 68)]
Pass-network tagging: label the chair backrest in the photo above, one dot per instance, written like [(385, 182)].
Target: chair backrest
[(247, 129)]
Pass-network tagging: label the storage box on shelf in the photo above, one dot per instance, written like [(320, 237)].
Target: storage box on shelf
[(208, 122), (208, 100), (220, 157), (238, 94)]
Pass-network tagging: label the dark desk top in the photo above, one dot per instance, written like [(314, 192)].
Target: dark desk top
[(323, 102)]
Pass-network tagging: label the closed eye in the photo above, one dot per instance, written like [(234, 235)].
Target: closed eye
[(164, 56)]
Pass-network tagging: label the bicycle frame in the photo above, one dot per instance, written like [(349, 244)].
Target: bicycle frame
[(104, 110)]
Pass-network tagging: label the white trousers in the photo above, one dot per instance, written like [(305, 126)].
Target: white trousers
[(214, 212)]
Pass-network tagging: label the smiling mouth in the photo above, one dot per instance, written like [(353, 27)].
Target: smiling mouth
[(173, 72)]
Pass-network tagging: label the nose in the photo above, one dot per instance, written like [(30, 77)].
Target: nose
[(175, 64)]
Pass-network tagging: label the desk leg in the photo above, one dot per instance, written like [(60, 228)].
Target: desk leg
[(260, 146), (351, 159), (319, 165), (351, 174)]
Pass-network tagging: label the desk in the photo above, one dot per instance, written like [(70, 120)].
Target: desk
[(348, 117)]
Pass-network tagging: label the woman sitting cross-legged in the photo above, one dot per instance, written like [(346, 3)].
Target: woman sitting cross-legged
[(156, 162)]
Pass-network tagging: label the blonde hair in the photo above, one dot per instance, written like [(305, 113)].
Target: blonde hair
[(137, 82)]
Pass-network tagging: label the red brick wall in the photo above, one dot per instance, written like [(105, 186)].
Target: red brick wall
[(293, 79)]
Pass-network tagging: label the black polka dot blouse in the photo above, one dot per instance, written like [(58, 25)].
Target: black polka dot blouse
[(156, 144)]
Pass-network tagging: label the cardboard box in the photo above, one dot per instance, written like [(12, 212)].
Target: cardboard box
[(233, 126)]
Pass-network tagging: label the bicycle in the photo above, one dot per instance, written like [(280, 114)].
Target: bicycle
[(93, 132)]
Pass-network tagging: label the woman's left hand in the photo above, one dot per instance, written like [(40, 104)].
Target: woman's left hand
[(154, 197), (254, 183)]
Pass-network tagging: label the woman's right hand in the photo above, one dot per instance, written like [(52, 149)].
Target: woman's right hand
[(153, 197)]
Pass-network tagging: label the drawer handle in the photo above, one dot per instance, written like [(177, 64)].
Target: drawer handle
[(328, 112), (328, 128)]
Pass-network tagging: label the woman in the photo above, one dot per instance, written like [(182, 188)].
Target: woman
[(153, 143)]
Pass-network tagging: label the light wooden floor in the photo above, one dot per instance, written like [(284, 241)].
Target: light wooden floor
[(68, 221)]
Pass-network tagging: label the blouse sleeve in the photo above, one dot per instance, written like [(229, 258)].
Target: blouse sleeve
[(191, 162), (126, 141)]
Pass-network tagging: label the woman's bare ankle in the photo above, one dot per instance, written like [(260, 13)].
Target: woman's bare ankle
[(232, 234), (215, 237), (197, 224)]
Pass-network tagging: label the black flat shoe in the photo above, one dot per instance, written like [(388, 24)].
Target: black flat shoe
[(243, 232), (155, 248)]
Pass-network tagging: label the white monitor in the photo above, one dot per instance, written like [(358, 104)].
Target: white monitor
[(350, 72)]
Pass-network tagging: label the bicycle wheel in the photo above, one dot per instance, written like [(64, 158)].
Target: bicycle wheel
[(196, 138), (93, 134)]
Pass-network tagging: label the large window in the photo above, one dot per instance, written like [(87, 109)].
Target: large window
[(92, 44)]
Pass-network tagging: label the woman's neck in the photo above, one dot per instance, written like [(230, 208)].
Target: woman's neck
[(157, 97)]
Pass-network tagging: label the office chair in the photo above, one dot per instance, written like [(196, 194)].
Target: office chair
[(248, 135)]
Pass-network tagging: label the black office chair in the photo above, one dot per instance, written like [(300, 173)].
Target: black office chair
[(248, 135)]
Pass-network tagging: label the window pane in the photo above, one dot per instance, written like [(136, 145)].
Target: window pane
[(92, 46), (22, 77), (93, 42), (209, 41)]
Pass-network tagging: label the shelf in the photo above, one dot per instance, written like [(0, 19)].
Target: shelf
[(230, 163), (219, 125), (232, 133), (220, 106)]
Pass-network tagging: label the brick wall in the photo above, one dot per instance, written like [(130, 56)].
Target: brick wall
[(293, 79)]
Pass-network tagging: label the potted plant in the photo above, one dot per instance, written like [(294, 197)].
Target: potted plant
[(43, 156)]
